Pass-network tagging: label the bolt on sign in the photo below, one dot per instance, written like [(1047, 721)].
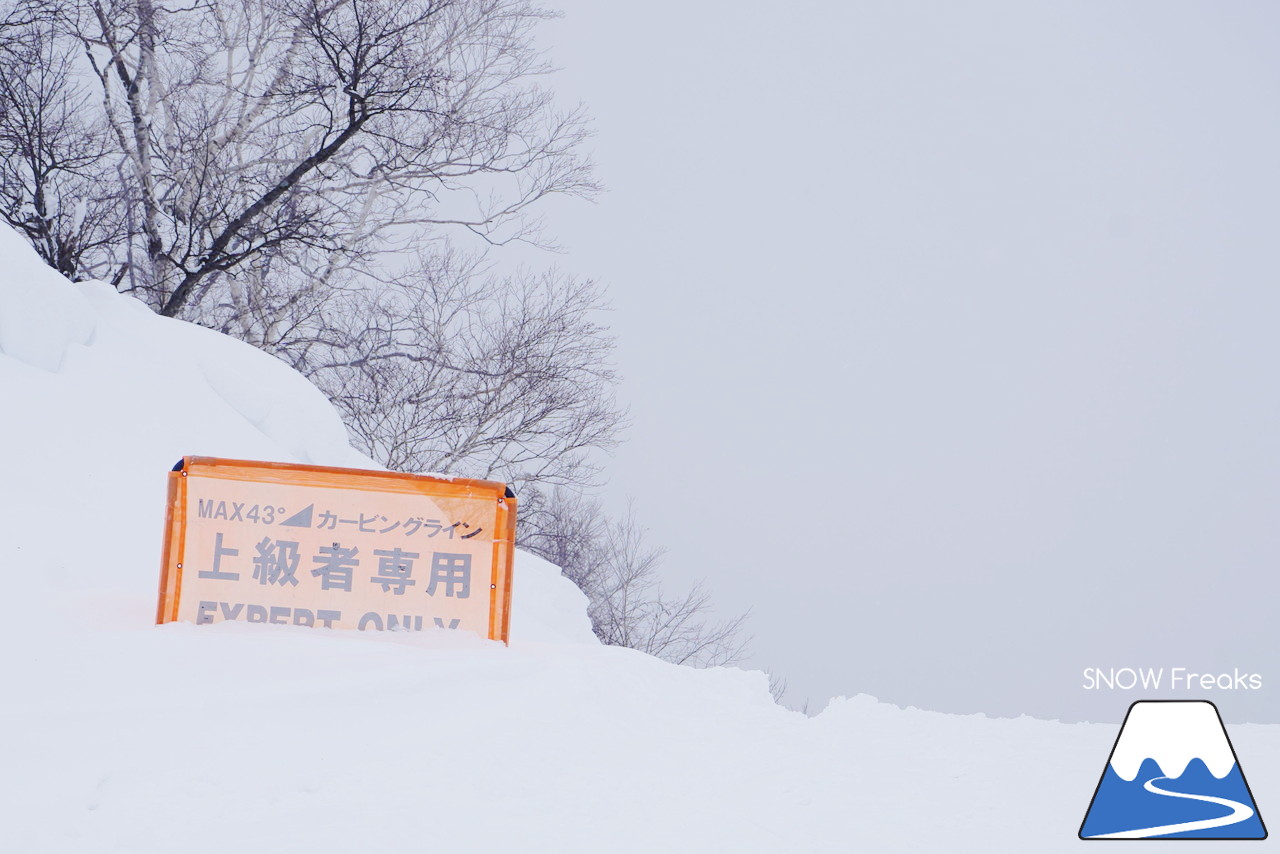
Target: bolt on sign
[(336, 548)]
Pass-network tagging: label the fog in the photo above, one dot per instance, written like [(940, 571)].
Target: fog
[(949, 333)]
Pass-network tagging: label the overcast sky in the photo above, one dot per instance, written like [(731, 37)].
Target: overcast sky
[(949, 332)]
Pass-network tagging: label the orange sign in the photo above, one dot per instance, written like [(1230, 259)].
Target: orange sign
[(336, 548)]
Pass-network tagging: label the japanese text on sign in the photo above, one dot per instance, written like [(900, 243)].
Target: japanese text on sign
[(336, 548)]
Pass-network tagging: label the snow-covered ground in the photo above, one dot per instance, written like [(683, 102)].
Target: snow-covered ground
[(119, 735)]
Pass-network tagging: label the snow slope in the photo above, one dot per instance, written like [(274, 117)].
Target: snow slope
[(119, 735)]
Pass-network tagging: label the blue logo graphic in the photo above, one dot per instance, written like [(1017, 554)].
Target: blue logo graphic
[(1173, 774)]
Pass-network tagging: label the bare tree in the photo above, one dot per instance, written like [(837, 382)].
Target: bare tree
[(304, 129), (255, 165), (631, 610), (451, 369), (565, 527), (777, 686), (57, 183), (612, 563)]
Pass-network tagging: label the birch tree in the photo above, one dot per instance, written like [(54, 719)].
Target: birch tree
[(58, 183), (311, 131)]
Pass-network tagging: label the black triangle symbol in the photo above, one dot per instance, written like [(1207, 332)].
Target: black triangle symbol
[(301, 519)]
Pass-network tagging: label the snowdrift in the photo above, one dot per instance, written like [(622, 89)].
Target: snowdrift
[(119, 735)]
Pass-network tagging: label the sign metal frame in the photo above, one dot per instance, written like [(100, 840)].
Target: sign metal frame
[(174, 560)]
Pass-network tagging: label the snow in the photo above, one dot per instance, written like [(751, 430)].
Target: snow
[(1172, 734), (120, 735), (41, 314)]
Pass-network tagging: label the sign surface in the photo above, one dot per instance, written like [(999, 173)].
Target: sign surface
[(336, 548)]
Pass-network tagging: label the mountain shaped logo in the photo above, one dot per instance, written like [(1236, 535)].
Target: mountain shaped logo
[(1173, 774)]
